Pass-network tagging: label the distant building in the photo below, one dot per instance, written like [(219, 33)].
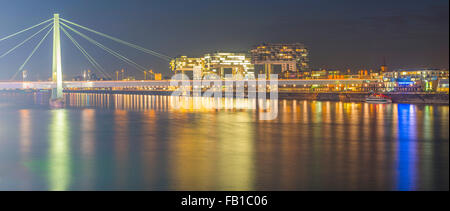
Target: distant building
[(339, 74), (218, 63), (293, 59), (417, 74), (229, 63), (443, 85), (186, 65), (319, 74), (419, 79), (87, 75), (158, 76)]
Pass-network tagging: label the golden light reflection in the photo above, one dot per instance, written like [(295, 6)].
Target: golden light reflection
[(213, 158), (134, 102), (236, 154), (121, 144), (444, 122), (394, 121), (379, 144), (427, 147), (204, 148), (193, 158), (305, 112), (150, 146), (428, 121)]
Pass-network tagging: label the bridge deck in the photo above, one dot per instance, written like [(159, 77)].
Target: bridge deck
[(119, 84)]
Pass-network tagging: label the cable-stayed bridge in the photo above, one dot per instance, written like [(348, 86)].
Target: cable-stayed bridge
[(57, 24), (68, 28)]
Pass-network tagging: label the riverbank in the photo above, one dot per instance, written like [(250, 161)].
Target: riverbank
[(413, 98)]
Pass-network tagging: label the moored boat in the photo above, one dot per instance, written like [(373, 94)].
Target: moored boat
[(378, 99)]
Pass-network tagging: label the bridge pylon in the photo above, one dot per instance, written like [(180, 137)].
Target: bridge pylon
[(57, 93)]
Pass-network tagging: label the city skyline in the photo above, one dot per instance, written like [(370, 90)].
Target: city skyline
[(388, 34), (224, 103)]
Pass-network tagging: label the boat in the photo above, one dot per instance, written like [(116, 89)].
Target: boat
[(378, 99)]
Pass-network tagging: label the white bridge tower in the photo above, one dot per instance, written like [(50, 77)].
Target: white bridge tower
[(57, 76)]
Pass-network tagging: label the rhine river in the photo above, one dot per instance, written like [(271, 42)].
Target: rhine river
[(134, 142)]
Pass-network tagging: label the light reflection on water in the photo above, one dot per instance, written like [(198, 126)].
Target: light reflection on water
[(59, 165), (137, 142)]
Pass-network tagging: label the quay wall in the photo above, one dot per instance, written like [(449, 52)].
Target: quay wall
[(414, 98)]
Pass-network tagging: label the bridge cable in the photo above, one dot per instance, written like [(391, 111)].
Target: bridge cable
[(86, 54), (23, 42), (91, 60), (12, 35), (123, 58), (32, 53), (154, 53)]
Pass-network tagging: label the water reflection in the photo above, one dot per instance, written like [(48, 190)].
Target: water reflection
[(25, 133), (88, 131), (140, 142), (121, 146), (59, 152), (135, 102), (25, 138), (407, 140)]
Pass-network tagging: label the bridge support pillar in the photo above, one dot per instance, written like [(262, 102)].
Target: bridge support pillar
[(57, 93)]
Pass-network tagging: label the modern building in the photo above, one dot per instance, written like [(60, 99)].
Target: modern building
[(229, 63), (219, 63), (419, 79), (186, 65), (292, 58), (319, 74), (443, 85)]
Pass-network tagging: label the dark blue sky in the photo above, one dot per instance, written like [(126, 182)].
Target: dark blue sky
[(340, 34)]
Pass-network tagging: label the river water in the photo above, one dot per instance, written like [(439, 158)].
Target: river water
[(134, 142)]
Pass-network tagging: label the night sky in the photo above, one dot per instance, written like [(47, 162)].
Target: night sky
[(340, 34)]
